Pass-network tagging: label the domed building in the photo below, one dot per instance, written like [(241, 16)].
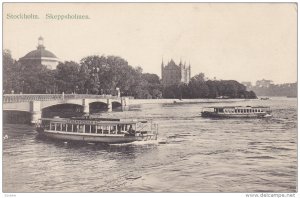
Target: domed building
[(40, 56)]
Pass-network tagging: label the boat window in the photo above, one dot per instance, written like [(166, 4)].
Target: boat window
[(75, 128), (105, 129), (58, 126), (119, 128), (87, 128), (221, 110), (52, 126), (113, 129), (93, 128), (80, 128), (63, 127), (99, 129), (69, 127)]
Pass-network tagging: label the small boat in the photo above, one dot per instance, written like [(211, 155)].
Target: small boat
[(237, 112), (265, 98), (97, 130)]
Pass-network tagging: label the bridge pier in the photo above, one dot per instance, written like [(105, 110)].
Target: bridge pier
[(124, 103), (109, 105), (86, 107), (35, 110)]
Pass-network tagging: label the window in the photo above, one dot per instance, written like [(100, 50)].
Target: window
[(79, 128), (52, 127), (93, 128), (58, 126), (69, 127), (99, 129), (87, 128), (75, 128), (63, 127), (105, 129)]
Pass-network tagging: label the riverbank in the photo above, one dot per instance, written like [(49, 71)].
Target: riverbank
[(168, 101)]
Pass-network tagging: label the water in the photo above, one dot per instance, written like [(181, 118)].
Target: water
[(200, 155)]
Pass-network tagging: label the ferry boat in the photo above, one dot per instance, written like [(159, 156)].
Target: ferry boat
[(97, 130), (237, 112)]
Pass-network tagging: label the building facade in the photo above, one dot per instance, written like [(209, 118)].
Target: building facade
[(173, 74), (263, 83), (40, 56)]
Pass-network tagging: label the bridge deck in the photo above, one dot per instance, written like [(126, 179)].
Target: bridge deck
[(14, 98)]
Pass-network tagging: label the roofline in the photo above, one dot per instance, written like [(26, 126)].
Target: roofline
[(92, 122), (40, 58)]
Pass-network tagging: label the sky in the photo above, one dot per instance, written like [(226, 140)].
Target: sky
[(239, 41)]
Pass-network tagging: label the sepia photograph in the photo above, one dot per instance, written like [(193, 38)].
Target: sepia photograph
[(150, 98)]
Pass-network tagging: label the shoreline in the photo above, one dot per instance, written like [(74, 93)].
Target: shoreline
[(184, 101)]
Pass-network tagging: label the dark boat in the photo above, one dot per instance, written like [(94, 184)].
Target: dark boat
[(236, 112)]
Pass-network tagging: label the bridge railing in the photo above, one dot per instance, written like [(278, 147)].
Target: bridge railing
[(14, 98)]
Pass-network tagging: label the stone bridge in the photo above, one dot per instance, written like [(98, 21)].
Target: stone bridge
[(35, 103)]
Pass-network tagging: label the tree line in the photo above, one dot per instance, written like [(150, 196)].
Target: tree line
[(198, 87), (103, 75), (287, 89)]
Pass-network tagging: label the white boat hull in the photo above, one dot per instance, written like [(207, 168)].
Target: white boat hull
[(95, 138)]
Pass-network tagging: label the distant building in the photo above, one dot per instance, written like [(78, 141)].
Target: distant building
[(263, 83), (174, 74), (40, 56), (247, 84)]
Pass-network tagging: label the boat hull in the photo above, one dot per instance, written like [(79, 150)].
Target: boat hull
[(93, 138), (228, 115)]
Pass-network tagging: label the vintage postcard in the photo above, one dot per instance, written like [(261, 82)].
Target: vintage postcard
[(150, 97)]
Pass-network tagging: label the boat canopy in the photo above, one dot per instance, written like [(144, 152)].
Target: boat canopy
[(92, 122)]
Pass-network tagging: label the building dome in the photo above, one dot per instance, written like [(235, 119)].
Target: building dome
[(41, 56), (38, 53)]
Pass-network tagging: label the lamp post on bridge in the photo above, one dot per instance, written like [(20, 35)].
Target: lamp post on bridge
[(118, 90)]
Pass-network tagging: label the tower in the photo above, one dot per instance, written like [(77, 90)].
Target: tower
[(173, 74), (40, 56), (162, 68), (189, 71), (41, 42)]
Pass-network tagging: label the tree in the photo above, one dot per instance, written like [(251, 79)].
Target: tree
[(68, 78), (37, 79), (11, 74), (198, 87)]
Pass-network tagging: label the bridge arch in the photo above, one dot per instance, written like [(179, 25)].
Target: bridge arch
[(97, 106), (64, 110), (16, 117), (116, 105)]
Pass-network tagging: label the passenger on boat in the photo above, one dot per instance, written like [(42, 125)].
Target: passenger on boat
[(130, 130)]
